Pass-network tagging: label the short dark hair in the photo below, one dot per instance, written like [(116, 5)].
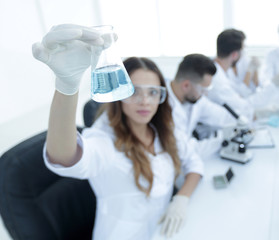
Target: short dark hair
[(228, 41), (194, 66)]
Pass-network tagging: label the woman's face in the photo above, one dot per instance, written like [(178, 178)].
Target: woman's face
[(141, 107)]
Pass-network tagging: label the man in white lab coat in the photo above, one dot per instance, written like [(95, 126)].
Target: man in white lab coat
[(229, 47), (190, 106)]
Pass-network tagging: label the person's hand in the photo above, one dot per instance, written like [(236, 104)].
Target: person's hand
[(175, 217), (242, 121), (253, 65), (67, 49)]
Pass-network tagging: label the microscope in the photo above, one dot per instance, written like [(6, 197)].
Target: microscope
[(236, 139)]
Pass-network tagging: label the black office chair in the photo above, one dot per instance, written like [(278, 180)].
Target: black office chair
[(36, 204), (203, 131), (89, 112)]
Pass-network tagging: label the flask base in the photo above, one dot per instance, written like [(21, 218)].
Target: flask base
[(117, 94)]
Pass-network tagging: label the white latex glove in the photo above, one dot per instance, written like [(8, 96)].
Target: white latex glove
[(242, 121), (253, 65), (175, 216), (66, 49)]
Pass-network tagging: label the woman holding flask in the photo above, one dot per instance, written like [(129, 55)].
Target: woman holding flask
[(130, 155)]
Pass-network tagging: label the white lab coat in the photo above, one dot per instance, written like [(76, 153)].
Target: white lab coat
[(186, 117), (237, 80), (123, 211), (270, 67), (223, 92)]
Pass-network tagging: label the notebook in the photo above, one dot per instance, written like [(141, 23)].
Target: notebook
[(262, 139)]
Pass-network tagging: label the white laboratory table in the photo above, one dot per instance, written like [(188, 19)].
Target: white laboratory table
[(247, 209)]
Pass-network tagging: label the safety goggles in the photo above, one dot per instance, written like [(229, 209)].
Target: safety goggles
[(201, 89), (148, 93)]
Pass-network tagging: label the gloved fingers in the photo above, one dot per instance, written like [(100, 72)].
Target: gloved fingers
[(172, 227), (169, 226), (179, 225), (86, 35), (243, 120), (162, 219), (40, 53), (91, 37), (109, 38), (165, 226), (53, 38), (103, 41), (253, 65), (255, 62)]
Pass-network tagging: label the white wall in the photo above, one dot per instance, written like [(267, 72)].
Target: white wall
[(27, 84), (19, 72)]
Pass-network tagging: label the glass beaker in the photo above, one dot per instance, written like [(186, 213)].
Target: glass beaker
[(109, 78)]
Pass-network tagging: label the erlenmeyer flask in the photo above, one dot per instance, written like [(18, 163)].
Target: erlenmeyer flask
[(109, 79)]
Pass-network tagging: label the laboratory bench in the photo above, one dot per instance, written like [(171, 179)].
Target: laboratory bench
[(248, 208)]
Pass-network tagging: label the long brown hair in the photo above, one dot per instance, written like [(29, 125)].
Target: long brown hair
[(125, 139)]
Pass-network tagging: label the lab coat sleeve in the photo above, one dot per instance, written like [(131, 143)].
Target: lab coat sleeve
[(264, 96), (214, 114), (242, 89), (94, 159), (207, 147), (190, 160), (226, 94)]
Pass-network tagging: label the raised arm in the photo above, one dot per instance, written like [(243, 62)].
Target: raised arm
[(252, 72), (66, 49), (61, 141)]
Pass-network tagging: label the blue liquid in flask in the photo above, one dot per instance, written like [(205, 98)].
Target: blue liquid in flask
[(110, 83)]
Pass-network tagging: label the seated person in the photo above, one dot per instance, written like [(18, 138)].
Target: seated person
[(190, 105), (131, 154), (229, 47)]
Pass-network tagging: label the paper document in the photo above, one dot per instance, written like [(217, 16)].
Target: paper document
[(262, 139)]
